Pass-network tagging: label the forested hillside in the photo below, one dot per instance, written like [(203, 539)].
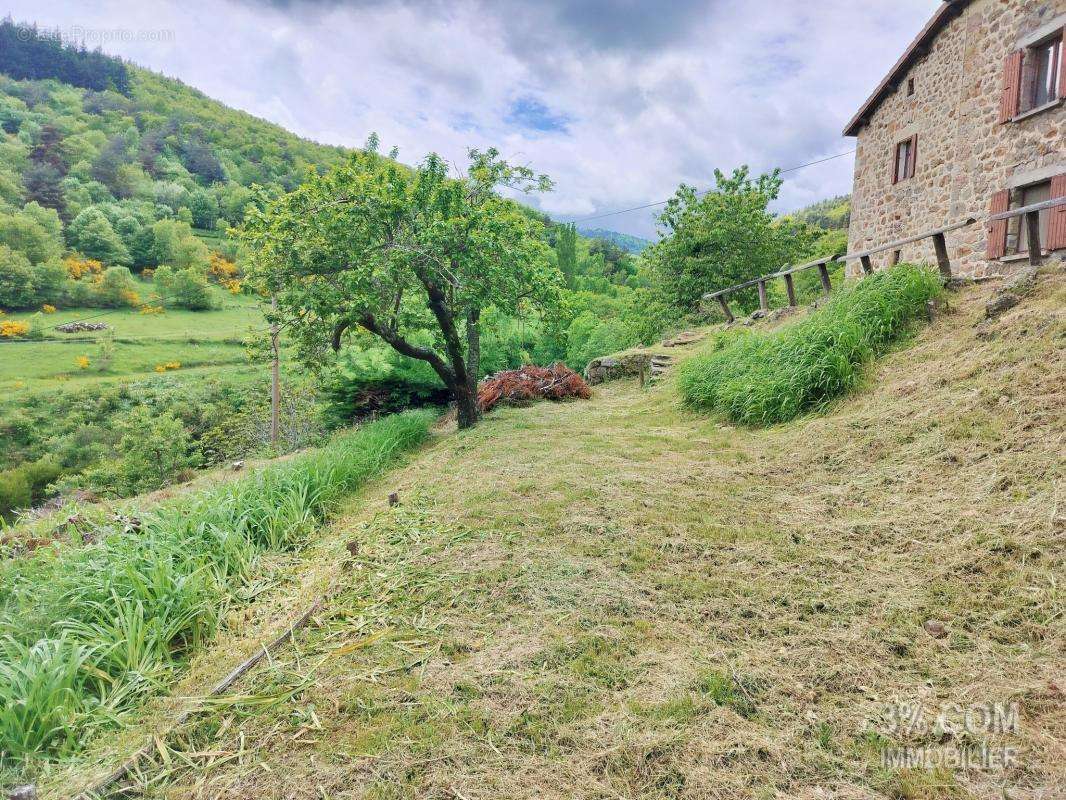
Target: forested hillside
[(629, 243)]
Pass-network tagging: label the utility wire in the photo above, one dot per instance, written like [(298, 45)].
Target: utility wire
[(704, 191)]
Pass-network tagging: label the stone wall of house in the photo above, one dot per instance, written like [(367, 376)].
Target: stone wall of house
[(964, 153)]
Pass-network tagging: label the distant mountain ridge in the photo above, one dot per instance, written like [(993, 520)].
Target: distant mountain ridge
[(629, 243)]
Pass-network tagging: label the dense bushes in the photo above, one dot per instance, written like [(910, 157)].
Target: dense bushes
[(761, 379), (25, 485), (378, 380), (123, 439), (87, 632)]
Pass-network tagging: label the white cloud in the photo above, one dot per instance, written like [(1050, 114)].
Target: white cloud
[(644, 94)]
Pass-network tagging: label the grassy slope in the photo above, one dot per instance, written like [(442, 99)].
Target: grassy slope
[(622, 599), (202, 340)]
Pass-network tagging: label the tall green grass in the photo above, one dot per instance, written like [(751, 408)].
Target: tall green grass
[(766, 378), (87, 632)]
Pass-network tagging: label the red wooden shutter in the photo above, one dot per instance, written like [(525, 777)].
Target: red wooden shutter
[(1056, 229), (997, 231), (913, 156), (1012, 86)]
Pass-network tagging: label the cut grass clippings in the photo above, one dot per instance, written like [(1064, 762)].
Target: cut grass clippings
[(767, 378), (87, 632)]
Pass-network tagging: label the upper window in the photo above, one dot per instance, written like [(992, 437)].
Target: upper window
[(1033, 78), (1042, 65), (905, 160)]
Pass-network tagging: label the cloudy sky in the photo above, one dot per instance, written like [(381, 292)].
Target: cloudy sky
[(617, 100)]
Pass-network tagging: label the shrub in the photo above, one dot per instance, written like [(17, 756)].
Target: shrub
[(365, 383), (24, 486), (188, 288), (117, 288), (762, 379), (13, 329), (87, 631)]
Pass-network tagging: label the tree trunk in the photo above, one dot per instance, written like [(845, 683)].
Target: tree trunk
[(466, 405), (473, 355)]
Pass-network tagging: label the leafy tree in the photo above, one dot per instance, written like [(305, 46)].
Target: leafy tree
[(50, 283), (725, 237), (91, 234), (394, 251), (43, 184), (566, 250), (142, 247), (174, 243), (154, 448), (16, 280), (170, 194), (199, 158), (107, 168), (233, 200), (24, 233), (47, 218), (204, 208)]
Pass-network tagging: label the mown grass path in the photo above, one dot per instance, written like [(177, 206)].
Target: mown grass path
[(622, 599)]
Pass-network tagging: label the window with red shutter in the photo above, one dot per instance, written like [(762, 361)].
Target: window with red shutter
[(1040, 74), (1056, 234), (1012, 86), (997, 231)]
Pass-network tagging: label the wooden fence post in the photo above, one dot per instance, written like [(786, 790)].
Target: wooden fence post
[(764, 304), (940, 244), (725, 309), (823, 273), (790, 287), (867, 265), (1032, 228)]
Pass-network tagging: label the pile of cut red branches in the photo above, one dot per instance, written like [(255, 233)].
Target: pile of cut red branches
[(525, 385)]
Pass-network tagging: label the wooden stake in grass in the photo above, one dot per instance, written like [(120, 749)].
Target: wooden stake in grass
[(157, 742), (275, 378)]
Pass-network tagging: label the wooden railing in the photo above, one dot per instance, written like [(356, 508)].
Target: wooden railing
[(940, 246)]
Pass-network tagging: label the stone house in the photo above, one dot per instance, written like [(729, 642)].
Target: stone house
[(970, 121)]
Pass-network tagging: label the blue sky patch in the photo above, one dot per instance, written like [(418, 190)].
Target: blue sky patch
[(531, 114)]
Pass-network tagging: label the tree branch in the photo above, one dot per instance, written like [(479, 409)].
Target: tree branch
[(404, 347)]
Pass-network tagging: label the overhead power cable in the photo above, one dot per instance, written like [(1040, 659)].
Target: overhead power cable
[(704, 191)]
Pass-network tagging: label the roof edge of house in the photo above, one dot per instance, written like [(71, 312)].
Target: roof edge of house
[(947, 11)]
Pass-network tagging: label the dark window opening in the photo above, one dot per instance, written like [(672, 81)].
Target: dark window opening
[(904, 164), (910, 87), (1017, 231), (1041, 74)]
